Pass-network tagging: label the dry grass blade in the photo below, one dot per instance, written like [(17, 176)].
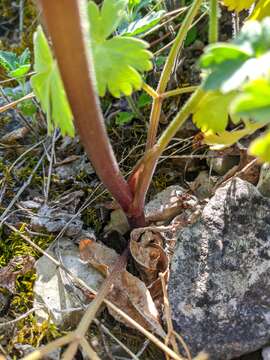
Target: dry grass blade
[(90, 313), (167, 310), (89, 350), (37, 354)]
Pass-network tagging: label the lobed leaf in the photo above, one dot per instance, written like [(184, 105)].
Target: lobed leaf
[(48, 87), (229, 66), (118, 61), (212, 112)]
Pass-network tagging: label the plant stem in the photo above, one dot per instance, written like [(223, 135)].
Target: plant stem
[(166, 73), (140, 178), (66, 24), (213, 22), (179, 119), (179, 91)]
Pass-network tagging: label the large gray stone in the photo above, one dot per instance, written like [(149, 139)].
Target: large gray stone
[(220, 275)]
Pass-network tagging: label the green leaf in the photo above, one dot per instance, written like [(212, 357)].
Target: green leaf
[(254, 101), (20, 71), (48, 88), (211, 113), (118, 61), (124, 118), (144, 24), (228, 138), (144, 100), (15, 66), (261, 147), (230, 66)]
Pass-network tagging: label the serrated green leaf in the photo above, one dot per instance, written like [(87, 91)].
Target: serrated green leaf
[(247, 58), (118, 61), (254, 101), (15, 66), (211, 113), (48, 88), (8, 60), (261, 147), (144, 24)]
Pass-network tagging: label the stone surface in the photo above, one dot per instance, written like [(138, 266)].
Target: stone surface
[(264, 180), (203, 185), (169, 203), (55, 291), (221, 164), (219, 287), (266, 353)]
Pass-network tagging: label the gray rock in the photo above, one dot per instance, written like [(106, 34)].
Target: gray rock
[(53, 220), (264, 180), (167, 203), (55, 292), (266, 353), (221, 164), (219, 287)]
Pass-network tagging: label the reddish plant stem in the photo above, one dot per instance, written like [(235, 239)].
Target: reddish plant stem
[(67, 26)]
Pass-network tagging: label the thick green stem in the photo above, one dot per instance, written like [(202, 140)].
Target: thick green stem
[(167, 70), (213, 22)]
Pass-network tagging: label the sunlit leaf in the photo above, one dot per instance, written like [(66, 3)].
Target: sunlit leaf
[(142, 25), (118, 61), (261, 10), (211, 113), (15, 66), (229, 66), (254, 101), (228, 138), (238, 5), (261, 147), (48, 87)]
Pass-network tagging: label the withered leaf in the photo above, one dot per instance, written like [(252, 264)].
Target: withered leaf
[(19, 265), (129, 293), (146, 247)]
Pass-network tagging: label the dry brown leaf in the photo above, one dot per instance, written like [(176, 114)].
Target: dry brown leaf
[(20, 265), (146, 247), (129, 293)]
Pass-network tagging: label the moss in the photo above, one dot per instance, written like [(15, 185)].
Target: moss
[(30, 332), (91, 218)]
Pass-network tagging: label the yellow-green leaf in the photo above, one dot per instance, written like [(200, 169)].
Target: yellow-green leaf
[(261, 10), (48, 87), (228, 138), (211, 113), (238, 5), (261, 147)]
